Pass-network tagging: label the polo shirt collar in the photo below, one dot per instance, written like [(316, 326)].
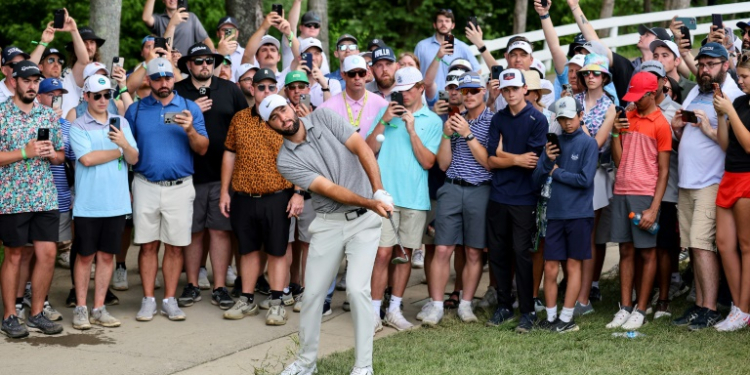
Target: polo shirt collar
[(423, 112), (653, 116), (177, 100), (361, 100), (311, 130), (35, 107), (88, 119)]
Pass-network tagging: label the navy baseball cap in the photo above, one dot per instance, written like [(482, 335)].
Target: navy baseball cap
[(578, 41), (10, 52), (51, 84), (713, 49), (383, 53), (470, 80), (26, 69), (228, 20), (743, 25), (376, 43)]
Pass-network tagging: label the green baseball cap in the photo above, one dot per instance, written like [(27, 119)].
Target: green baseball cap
[(296, 76)]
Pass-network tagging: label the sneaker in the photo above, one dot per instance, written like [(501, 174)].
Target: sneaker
[(621, 317), (362, 371), (203, 279), (71, 300), (13, 328), (237, 288), (527, 322), (396, 320), (346, 306), (687, 317), (545, 324), (538, 305), (662, 310), (677, 290), (296, 368), (120, 279), (432, 315), (595, 294), (111, 299), (489, 300), (707, 319), (734, 322), (581, 310), (21, 313), (684, 256), (691, 296), (63, 259), (635, 321), (50, 312), (297, 303), (221, 298), (341, 285), (147, 311), (466, 314), (502, 315), (262, 286), (561, 327), (40, 323), (417, 259), (296, 289), (327, 308), (276, 315), (425, 310), (265, 304), (102, 317), (27, 296), (287, 299), (81, 318), (241, 309), (172, 310), (378, 322), (231, 276), (190, 295)]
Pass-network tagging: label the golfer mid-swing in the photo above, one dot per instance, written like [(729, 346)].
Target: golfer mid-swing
[(324, 155)]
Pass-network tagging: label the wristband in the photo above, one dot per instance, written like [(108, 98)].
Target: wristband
[(384, 123), (290, 37), (40, 43), (123, 90), (300, 192), (445, 136), (615, 135), (327, 89), (544, 17), (23, 154), (481, 50)]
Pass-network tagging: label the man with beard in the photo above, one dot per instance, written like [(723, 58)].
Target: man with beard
[(323, 154), (29, 214), (263, 49), (163, 191), (667, 53), (745, 31), (384, 67), (245, 75), (701, 167), (219, 100), (427, 49), (10, 57)]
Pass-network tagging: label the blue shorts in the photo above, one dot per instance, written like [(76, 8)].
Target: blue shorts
[(568, 239)]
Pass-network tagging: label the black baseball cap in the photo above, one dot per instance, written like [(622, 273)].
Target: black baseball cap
[(310, 17), (228, 20), (383, 53), (578, 41), (377, 43), (10, 52), (344, 37), (26, 69), (660, 32), (264, 73), (52, 51)]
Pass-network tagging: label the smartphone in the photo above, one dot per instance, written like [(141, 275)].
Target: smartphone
[(308, 59), (42, 134), (686, 35), (454, 110), (495, 71), (443, 95), (205, 91), (59, 18), (621, 112), (717, 21), (552, 138), (160, 42), (116, 61), (229, 32), (57, 102), (544, 3), (717, 90), (169, 117), (689, 22), (278, 8), (115, 121), (305, 99), (689, 116), (182, 4), (450, 40), (568, 88), (398, 97), (472, 21)]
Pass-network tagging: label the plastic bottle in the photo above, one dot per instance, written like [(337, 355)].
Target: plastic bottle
[(547, 188), (629, 334), (636, 218)]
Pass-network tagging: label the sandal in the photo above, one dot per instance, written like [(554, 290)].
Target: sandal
[(452, 301)]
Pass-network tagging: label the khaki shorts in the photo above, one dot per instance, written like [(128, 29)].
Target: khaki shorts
[(410, 225), (426, 238), (697, 216), (163, 213)]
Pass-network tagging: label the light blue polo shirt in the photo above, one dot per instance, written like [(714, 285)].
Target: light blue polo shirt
[(402, 175), (427, 49)]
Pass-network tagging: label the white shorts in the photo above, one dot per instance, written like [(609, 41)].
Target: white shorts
[(163, 213)]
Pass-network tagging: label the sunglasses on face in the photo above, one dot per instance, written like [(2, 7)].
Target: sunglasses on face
[(52, 60), (271, 88), (97, 96), (248, 79), (745, 32), (201, 61), (312, 26), (297, 86), (472, 91), (360, 73), (594, 73), (350, 47)]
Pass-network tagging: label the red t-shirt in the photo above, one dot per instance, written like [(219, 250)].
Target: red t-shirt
[(641, 145)]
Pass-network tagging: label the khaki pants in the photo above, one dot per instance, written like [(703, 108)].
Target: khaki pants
[(332, 238)]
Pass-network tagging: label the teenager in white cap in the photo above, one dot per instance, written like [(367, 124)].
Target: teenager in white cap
[(264, 50), (321, 88)]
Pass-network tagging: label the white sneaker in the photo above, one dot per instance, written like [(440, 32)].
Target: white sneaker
[(635, 321), (81, 318), (720, 325), (433, 316), (362, 371), (298, 303), (621, 317), (147, 311), (417, 259), (378, 323), (51, 313), (120, 279), (296, 368), (203, 279), (396, 320), (231, 276), (738, 321), (63, 260), (425, 310), (466, 314)]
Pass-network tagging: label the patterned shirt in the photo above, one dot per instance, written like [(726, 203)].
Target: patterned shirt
[(594, 117), (27, 185), (256, 146), (463, 164)]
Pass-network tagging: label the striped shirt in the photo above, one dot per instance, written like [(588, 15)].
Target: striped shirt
[(58, 171), (463, 164), (641, 144)]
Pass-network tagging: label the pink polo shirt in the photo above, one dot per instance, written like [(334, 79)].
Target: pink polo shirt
[(371, 109)]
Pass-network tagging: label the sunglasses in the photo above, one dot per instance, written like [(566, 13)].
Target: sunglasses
[(97, 96), (350, 47), (588, 73), (360, 73), (228, 30), (11, 64), (745, 32), (447, 10), (472, 91), (201, 61), (271, 88), (312, 25), (52, 60), (297, 86)]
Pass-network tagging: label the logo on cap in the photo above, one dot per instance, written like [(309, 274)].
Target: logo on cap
[(467, 79), (381, 52), (25, 68), (54, 82), (14, 50), (102, 81), (400, 79), (509, 76), (198, 49), (562, 105), (709, 48)]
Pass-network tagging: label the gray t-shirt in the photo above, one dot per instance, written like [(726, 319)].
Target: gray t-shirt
[(185, 35), (323, 153), (668, 109)]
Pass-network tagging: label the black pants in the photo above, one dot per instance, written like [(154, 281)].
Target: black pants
[(509, 237)]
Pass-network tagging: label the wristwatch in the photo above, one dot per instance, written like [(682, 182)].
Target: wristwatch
[(469, 137), (300, 192)]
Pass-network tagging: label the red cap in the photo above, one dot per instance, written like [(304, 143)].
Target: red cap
[(640, 84)]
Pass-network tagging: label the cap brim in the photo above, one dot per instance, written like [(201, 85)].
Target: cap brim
[(743, 25), (642, 29), (633, 96), (472, 85), (399, 88), (524, 48), (161, 75), (566, 114), (451, 83)]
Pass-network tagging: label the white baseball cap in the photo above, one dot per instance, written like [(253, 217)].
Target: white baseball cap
[(268, 39), (512, 78), (520, 44), (665, 43), (244, 68), (566, 107), (97, 83), (406, 78), (354, 62), (579, 60), (454, 80), (270, 103), (307, 43), (539, 67), (460, 63), (92, 68)]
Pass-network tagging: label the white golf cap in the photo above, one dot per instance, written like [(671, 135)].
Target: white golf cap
[(270, 103), (268, 39), (511, 78), (307, 43), (665, 43), (579, 60), (520, 44), (566, 107), (244, 68), (539, 67), (354, 62), (93, 68), (97, 83), (460, 63), (406, 78), (454, 80)]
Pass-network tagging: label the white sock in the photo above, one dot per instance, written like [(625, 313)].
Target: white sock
[(437, 304), (464, 304), (164, 300), (566, 315), (395, 304), (676, 278), (286, 290), (151, 299), (376, 305), (594, 284), (84, 306), (551, 314)]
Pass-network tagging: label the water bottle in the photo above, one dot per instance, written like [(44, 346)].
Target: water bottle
[(629, 334), (547, 188), (636, 218)]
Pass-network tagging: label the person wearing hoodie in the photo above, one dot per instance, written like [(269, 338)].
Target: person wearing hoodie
[(570, 210)]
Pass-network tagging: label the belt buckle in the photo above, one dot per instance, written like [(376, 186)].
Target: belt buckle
[(355, 213), (256, 195)]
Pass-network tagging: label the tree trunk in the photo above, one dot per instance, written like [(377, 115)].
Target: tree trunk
[(519, 16), (321, 7), (105, 20), (679, 4), (646, 6), (608, 8), (249, 13)]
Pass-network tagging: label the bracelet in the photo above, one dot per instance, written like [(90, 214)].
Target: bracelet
[(123, 90), (384, 123), (481, 50), (615, 135), (445, 136), (544, 17), (290, 37), (327, 89), (23, 154), (40, 43)]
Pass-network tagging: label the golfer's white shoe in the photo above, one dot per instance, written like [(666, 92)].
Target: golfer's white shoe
[(296, 368), (362, 371)]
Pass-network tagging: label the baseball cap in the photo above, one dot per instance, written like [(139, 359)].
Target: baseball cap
[(159, 67), (460, 64), (310, 17), (452, 79), (470, 80), (579, 60), (97, 83), (512, 78), (346, 37), (578, 41), (378, 43), (539, 67), (660, 32), (596, 63), (713, 49), (51, 84), (354, 62), (296, 76), (654, 66), (26, 69), (308, 43), (92, 68), (383, 53), (743, 25), (12, 51), (640, 84), (270, 103), (665, 43), (366, 54), (520, 44), (594, 46), (268, 39), (147, 38), (406, 78), (566, 107), (52, 51), (264, 73), (244, 68), (228, 20)]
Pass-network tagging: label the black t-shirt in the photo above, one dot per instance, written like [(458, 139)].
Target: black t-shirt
[(737, 159), (227, 99), (622, 70)]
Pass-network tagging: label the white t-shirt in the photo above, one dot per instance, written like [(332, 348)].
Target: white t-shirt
[(5, 92), (316, 92), (73, 97), (287, 56)]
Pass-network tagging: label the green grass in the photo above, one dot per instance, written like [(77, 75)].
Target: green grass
[(457, 348)]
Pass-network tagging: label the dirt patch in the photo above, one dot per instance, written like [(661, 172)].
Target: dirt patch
[(69, 340)]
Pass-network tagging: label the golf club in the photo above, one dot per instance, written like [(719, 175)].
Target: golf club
[(405, 258)]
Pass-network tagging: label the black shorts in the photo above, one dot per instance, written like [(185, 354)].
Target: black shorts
[(98, 234), (17, 230), (668, 236), (261, 222), (568, 239)]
